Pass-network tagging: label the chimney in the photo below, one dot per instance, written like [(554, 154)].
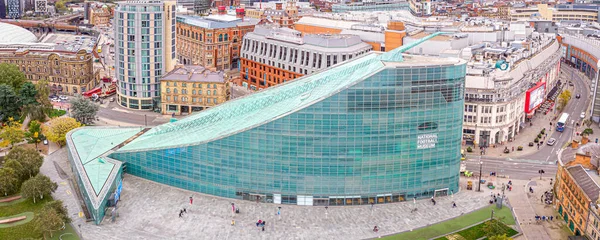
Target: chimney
[(222, 10), (278, 6), (240, 13)]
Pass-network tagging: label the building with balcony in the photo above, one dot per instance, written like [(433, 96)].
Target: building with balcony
[(577, 188), (381, 128), (272, 55), (64, 60), (189, 89), (506, 85), (144, 50), (213, 41)]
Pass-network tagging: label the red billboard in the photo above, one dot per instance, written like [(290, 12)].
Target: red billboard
[(535, 97)]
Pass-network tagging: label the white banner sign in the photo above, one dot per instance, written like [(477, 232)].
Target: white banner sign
[(426, 141)]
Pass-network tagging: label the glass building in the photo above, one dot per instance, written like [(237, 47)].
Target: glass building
[(380, 128), (144, 50)]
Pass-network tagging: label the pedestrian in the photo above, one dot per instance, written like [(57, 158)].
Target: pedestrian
[(375, 229), (453, 204), (232, 222), (263, 228), (184, 210), (551, 218), (513, 148), (543, 218), (191, 200), (180, 212)]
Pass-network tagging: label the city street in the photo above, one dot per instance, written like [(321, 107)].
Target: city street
[(574, 109), (527, 166)]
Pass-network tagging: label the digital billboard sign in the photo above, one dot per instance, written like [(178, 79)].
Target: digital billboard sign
[(535, 97)]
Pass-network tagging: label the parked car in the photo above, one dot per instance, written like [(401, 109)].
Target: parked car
[(112, 99), (63, 97), (582, 115), (55, 100), (577, 96), (551, 141), (570, 83), (45, 141)]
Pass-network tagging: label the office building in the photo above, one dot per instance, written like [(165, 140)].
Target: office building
[(144, 50), (14, 9), (41, 6), (2, 9), (99, 16), (272, 55), (189, 89), (381, 128), (213, 41)]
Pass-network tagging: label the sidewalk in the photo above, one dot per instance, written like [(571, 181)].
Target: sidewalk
[(527, 205)]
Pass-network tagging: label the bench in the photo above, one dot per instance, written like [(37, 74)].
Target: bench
[(10, 199), (12, 220)]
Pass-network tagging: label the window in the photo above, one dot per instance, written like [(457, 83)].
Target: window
[(486, 119), (470, 108), (501, 109), (469, 119), (486, 109), (500, 119)]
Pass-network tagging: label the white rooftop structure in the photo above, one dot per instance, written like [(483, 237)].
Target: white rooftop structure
[(15, 34)]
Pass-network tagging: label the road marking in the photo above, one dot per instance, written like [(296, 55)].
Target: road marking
[(548, 158), (68, 192)]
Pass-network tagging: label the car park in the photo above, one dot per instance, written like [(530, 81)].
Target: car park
[(551, 141)]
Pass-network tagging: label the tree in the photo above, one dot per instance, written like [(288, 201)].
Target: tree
[(48, 221), (30, 159), (12, 133), (28, 93), (20, 172), (34, 133), (9, 102), (43, 96), (38, 187), (58, 128), (8, 181), (60, 209), (587, 132), (11, 75), (500, 237), (83, 110), (563, 99)]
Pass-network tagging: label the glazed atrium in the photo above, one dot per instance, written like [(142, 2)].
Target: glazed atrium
[(384, 127)]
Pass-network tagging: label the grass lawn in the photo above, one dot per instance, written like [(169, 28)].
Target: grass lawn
[(456, 223), (57, 113), (477, 232), (67, 234)]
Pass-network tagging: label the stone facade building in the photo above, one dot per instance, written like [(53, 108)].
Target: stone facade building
[(189, 89)]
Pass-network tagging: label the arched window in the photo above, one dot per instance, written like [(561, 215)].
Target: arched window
[(220, 37), (175, 90), (226, 37), (168, 90), (200, 37)]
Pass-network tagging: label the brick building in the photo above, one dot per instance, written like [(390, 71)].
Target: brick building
[(212, 41)]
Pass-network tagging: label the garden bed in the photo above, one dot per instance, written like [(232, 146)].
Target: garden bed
[(478, 231)]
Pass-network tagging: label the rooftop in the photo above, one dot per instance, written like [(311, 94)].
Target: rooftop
[(70, 42), (194, 73), (216, 21), (587, 181), (325, 41), (15, 34)]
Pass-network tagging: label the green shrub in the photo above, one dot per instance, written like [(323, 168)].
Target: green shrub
[(469, 149), (543, 131), (520, 148), (537, 140)]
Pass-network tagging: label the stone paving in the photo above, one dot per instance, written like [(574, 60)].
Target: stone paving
[(148, 210)]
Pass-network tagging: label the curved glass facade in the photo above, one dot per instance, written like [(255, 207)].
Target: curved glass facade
[(391, 136)]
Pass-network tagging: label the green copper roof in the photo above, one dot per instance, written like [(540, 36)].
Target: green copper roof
[(92, 142), (98, 171), (265, 106)]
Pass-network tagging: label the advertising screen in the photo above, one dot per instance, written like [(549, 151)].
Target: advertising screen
[(535, 97)]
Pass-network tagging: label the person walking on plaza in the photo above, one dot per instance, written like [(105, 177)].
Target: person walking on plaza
[(191, 200), (453, 204)]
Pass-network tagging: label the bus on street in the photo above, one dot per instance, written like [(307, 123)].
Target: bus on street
[(562, 121)]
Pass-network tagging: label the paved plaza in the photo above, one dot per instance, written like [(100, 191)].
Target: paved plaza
[(148, 210)]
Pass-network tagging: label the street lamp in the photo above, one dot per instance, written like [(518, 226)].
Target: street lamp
[(479, 182)]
